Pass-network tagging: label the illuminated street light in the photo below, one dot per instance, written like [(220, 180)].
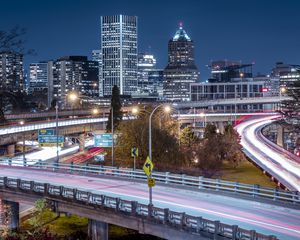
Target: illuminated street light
[(167, 109), (203, 115), (135, 110), (24, 159), (73, 96), (95, 111)]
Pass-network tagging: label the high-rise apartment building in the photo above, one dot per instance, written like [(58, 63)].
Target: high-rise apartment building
[(11, 72), (72, 73), (119, 53), (38, 77), (181, 70)]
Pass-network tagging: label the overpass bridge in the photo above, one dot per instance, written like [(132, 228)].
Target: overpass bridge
[(185, 207), (14, 133), (231, 101)]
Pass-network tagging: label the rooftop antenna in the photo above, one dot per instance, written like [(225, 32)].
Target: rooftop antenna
[(180, 24), (149, 49)]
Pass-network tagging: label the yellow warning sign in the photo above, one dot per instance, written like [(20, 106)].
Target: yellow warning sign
[(151, 182), (148, 166)]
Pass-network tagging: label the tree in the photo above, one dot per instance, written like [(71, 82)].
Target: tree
[(210, 131), (208, 154), (115, 108), (13, 40), (187, 137), (232, 149), (135, 133)]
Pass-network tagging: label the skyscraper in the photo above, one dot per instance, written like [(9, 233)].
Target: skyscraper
[(38, 77), (146, 63), (119, 53), (11, 72), (181, 70)]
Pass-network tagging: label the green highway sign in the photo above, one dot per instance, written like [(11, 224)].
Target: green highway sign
[(46, 132), (103, 140)]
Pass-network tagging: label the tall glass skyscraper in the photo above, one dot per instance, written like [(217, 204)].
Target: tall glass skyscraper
[(181, 70), (119, 53)]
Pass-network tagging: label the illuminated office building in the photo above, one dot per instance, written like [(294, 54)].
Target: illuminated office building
[(181, 70), (119, 53)]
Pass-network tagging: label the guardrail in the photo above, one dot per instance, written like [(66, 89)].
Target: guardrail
[(168, 178), (178, 220)]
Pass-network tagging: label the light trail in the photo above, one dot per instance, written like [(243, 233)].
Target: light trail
[(272, 159)]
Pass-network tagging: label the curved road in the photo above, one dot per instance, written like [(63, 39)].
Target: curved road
[(264, 218), (281, 164)]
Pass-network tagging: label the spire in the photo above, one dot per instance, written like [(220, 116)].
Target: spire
[(181, 34)]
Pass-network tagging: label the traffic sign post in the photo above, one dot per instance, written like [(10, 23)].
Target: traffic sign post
[(148, 167), (134, 154)]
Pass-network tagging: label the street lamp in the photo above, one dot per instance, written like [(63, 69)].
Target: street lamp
[(203, 115), (73, 96), (282, 90), (56, 131), (24, 159), (167, 109)]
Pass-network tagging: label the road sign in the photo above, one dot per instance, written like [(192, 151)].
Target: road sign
[(100, 158), (151, 182), (134, 152), (50, 144), (103, 140), (46, 132), (50, 140), (148, 166)]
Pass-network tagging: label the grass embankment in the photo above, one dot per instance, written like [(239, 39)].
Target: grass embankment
[(248, 173)]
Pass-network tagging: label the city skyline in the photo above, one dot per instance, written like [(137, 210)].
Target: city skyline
[(246, 34)]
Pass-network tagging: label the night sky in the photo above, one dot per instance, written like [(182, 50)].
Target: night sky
[(259, 31)]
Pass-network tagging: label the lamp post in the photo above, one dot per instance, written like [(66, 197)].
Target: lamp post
[(281, 91), (23, 148), (56, 131), (203, 115), (113, 139), (167, 109), (135, 110)]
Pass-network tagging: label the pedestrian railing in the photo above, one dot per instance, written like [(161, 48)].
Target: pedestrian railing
[(178, 220), (255, 191)]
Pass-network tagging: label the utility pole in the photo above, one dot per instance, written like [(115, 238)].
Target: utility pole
[(112, 133)]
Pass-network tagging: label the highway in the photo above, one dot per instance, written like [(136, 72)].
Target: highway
[(264, 218), (281, 164)]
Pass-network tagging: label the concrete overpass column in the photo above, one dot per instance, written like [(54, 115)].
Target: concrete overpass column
[(9, 214), (11, 150), (280, 136), (81, 142), (97, 230)]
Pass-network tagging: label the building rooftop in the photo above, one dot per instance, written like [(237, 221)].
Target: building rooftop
[(181, 34)]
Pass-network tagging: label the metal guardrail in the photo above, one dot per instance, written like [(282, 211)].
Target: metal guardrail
[(190, 224), (255, 191)]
